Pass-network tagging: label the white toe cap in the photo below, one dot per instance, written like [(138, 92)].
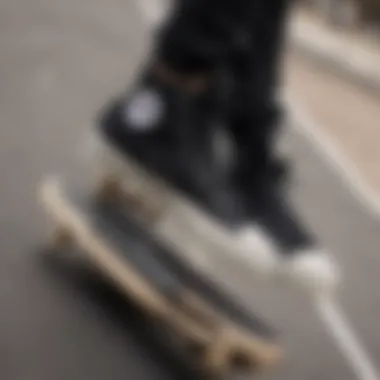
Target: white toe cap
[(314, 269), (255, 247)]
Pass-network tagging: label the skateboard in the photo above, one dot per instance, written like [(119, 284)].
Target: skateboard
[(219, 334)]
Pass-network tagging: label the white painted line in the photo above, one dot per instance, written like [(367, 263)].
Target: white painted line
[(334, 157), (344, 335)]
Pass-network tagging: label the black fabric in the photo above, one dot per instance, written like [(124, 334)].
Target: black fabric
[(242, 36), (200, 34)]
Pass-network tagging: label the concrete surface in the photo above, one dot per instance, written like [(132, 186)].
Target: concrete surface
[(350, 122), (348, 53), (59, 61)]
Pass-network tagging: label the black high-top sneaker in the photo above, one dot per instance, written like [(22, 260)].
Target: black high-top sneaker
[(260, 177), (158, 138)]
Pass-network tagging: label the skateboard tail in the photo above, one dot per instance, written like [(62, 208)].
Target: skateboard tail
[(66, 217)]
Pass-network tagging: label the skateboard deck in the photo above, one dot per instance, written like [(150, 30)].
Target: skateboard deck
[(220, 333)]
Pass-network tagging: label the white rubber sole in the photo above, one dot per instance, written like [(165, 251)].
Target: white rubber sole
[(313, 269)]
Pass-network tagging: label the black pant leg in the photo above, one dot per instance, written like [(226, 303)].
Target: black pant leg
[(256, 77), (200, 34)]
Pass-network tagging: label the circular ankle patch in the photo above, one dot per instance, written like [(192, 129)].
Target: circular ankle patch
[(144, 110)]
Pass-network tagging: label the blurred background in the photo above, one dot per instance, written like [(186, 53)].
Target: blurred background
[(59, 62), (348, 14)]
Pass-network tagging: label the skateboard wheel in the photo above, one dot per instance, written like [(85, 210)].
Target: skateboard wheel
[(61, 237), (215, 367), (109, 188), (216, 357), (153, 214), (241, 362), (196, 349), (156, 213), (144, 206)]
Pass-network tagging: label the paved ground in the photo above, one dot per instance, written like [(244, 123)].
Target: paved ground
[(348, 52), (351, 121), (59, 61)]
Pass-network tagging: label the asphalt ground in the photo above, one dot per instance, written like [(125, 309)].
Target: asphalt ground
[(59, 62)]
